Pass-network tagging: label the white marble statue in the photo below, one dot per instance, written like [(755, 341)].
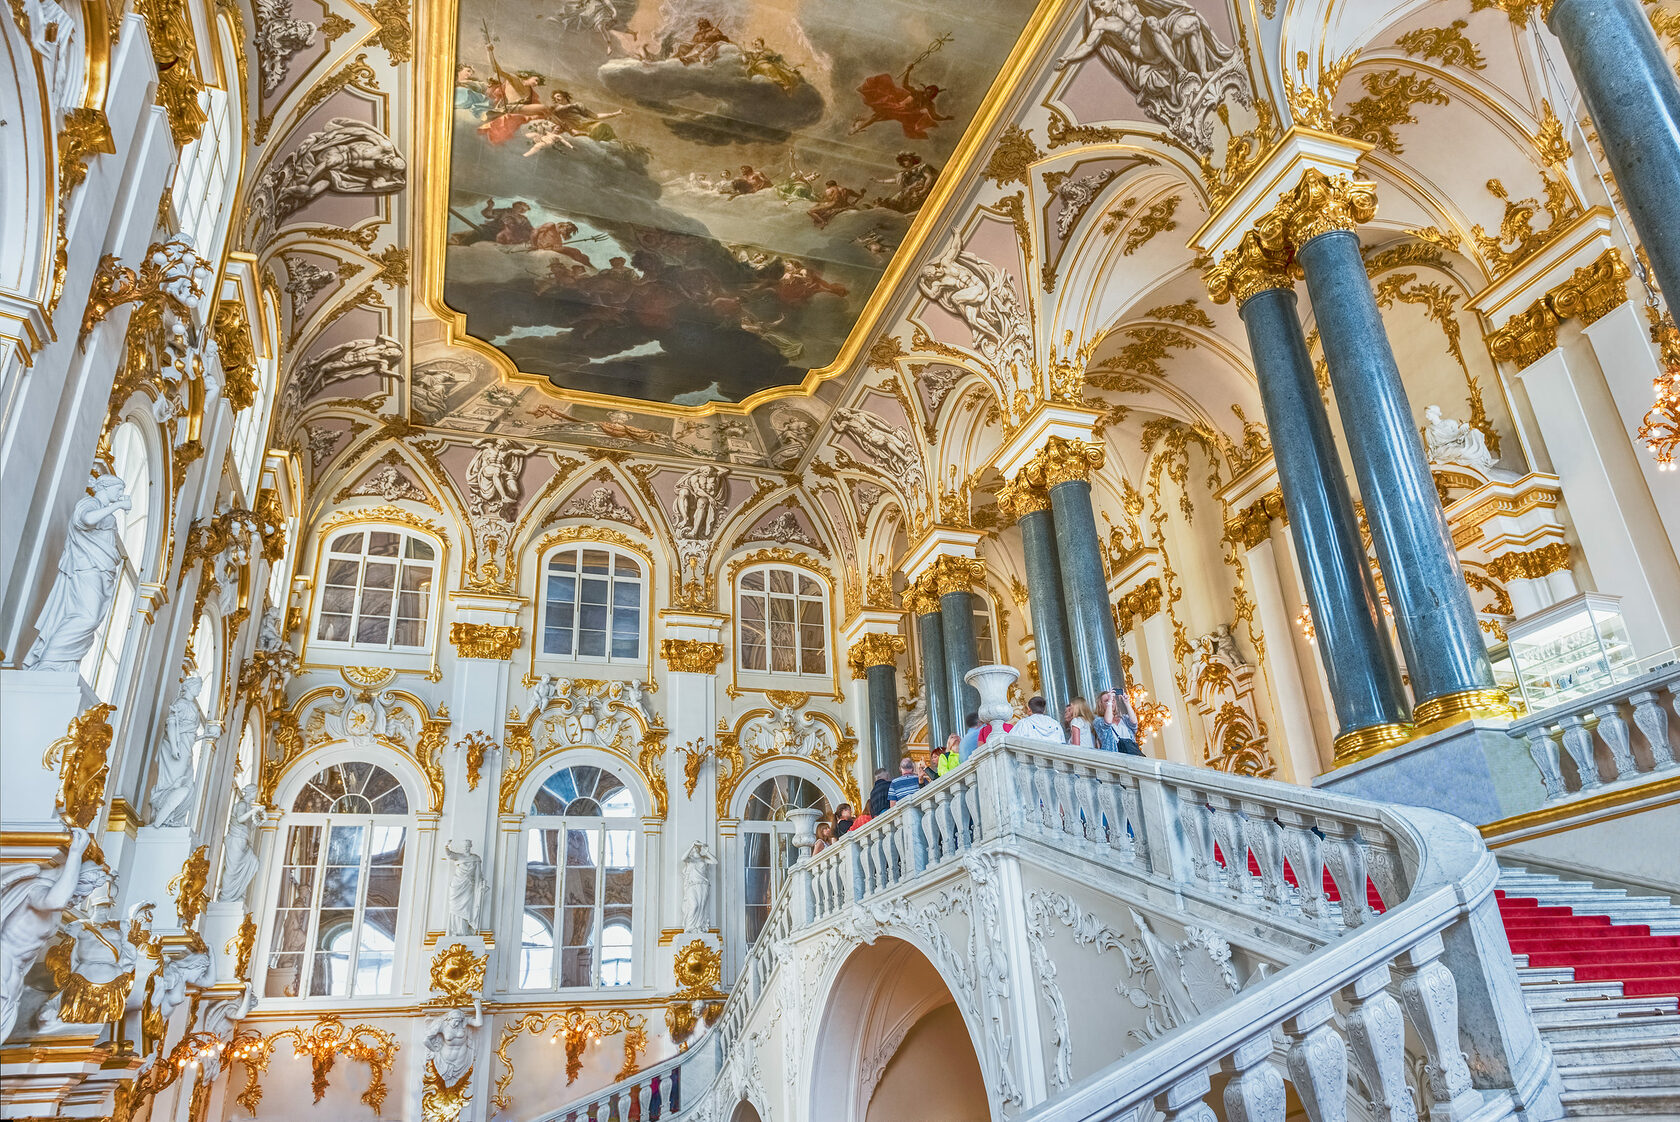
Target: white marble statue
[(169, 985), (1455, 442), (270, 635), (80, 600), (983, 296), (239, 856), (699, 502), (493, 486), (449, 1042), (32, 904), (696, 886), (101, 967), (467, 889), (184, 729), (638, 696), (544, 690)]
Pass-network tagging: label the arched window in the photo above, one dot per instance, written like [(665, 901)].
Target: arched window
[(582, 846), (783, 616), (767, 841), (201, 176), (985, 641), (335, 919), (102, 665), (593, 604), (377, 590)]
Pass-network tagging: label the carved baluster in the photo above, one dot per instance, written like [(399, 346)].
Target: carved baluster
[(1578, 742), (1255, 1091), (1067, 795), (1194, 820), (1430, 996), (1227, 831), (1652, 719), (1346, 858), (1113, 819), (950, 818), (932, 835), (612, 1108), (877, 862), (971, 806), (1302, 850), (1382, 863), (1132, 801), (1543, 750), (1186, 1100), (1317, 1061), (1376, 1033), (1260, 835), (1043, 780), (1026, 796), (860, 878), (1612, 726)]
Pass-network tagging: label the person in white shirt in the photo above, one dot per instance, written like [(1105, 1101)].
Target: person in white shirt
[(1077, 718), (1038, 725)]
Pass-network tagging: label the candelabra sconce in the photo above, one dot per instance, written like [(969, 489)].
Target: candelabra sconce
[(1153, 716), (323, 1043), (476, 745)]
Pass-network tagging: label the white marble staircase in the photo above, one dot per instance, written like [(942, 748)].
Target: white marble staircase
[(1619, 1056)]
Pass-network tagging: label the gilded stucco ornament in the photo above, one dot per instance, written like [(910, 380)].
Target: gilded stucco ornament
[(191, 886), (1138, 604), (691, 656), (81, 756), (956, 574), (485, 640), (1592, 291), (323, 1043), (239, 357), (874, 650), (1527, 337), (1262, 260), (578, 1027), (457, 974), (239, 947), (1320, 203), (1531, 564), (694, 755), (1064, 460), (477, 745), (169, 29), (1021, 496), (920, 596)]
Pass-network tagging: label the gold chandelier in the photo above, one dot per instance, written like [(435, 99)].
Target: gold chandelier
[(1660, 429), (1152, 716)]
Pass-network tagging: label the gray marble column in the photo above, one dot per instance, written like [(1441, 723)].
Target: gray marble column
[(1634, 102), (885, 737), (935, 685), (956, 617), (1353, 641), (1093, 639), (1045, 605), (1445, 654)]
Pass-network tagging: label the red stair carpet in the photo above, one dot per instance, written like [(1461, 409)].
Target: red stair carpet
[(1597, 950)]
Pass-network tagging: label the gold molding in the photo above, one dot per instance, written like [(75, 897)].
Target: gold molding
[(486, 640), (1064, 460), (1592, 291), (1526, 338), (1261, 261), (691, 656), (1531, 564), (1141, 603), (457, 975), (82, 757), (1351, 747), (1438, 713), (1574, 808), (880, 649)]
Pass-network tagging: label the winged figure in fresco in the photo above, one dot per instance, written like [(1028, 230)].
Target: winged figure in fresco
[(901, 99)]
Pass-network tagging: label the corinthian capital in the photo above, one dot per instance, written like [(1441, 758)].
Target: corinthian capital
[(1262, 260), (1022, 496), (956, 574), (1064, 460), (873, 650), (1321, 203)]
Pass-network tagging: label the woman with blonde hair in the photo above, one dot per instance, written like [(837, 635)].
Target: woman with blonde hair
[(1117, 723), (825, 838), (1077, 717)]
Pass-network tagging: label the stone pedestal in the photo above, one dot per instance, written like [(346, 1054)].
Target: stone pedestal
[(36, 708), (149, 864), (1473, 770), (222, 920)]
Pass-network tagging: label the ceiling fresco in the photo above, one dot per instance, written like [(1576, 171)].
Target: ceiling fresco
[(683, 201)]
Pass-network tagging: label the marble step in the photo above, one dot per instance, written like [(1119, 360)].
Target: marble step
[(1653, 1049), (1609, 1027), (1641, 1101)]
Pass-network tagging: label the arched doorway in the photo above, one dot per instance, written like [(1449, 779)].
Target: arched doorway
[(892, 1044), (745, 1112)]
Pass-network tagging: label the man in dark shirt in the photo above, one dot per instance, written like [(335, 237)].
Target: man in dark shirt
[(843, 819), (906, 784)]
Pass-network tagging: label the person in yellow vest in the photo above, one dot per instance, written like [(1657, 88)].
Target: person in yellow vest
[(949, 758)]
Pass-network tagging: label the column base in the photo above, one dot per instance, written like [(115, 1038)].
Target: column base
[(1438, 713), (1472, 770), (1359, 744)]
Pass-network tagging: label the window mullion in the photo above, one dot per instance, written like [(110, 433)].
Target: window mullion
[(313, 932), (557, 913), (362, 870)]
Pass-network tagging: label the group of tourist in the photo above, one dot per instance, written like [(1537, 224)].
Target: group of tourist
[(1113, 728)]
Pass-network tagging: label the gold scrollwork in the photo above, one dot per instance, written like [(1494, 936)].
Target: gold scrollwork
[(728, 751), (1064, 460), (190, 886), (691, 656), (1530, 565), (476, 745), (457, 974), (81, 756), (950, 574), (1527, 337), (694, 755), (1261, 260), (578, 1027), (1140, 603), (241, 946), (238, 354), (324, 1042), (1253, 524), (1592, 291), (486, 640)]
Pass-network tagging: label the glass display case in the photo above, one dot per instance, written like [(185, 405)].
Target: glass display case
[(1569, 650)]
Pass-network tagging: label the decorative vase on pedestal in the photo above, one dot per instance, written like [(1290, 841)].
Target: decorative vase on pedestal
[(804, 829), (993, 684)]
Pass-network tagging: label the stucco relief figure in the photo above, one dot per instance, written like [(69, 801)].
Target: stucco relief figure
[(1169, 58), (279, 37), (55, 37), (95, 980), (270, 631), (32, 903), (887, 445), (467, 889), (167, 990), (544, 690), (239, 856), (346, 157), (983, 296), (80, 600), (1455, 442), (493, 486), (379, 356), (699, 503), (184, 729), (638, 696), (449, 1043), (696, 886)]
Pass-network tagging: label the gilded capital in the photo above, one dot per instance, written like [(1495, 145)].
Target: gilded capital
[(1063, 460), (1260, 261), (874, 650), (1321, 203), (691, 656), (485, 640), (921, 597), (1022, 496), (956, 574)]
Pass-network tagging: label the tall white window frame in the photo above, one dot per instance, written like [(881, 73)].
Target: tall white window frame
[(250, 425), (766, 839), (594, 604), (582, 850), (781, 615), (342, 869), (378, 586), (103, 665), (199, 191)]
